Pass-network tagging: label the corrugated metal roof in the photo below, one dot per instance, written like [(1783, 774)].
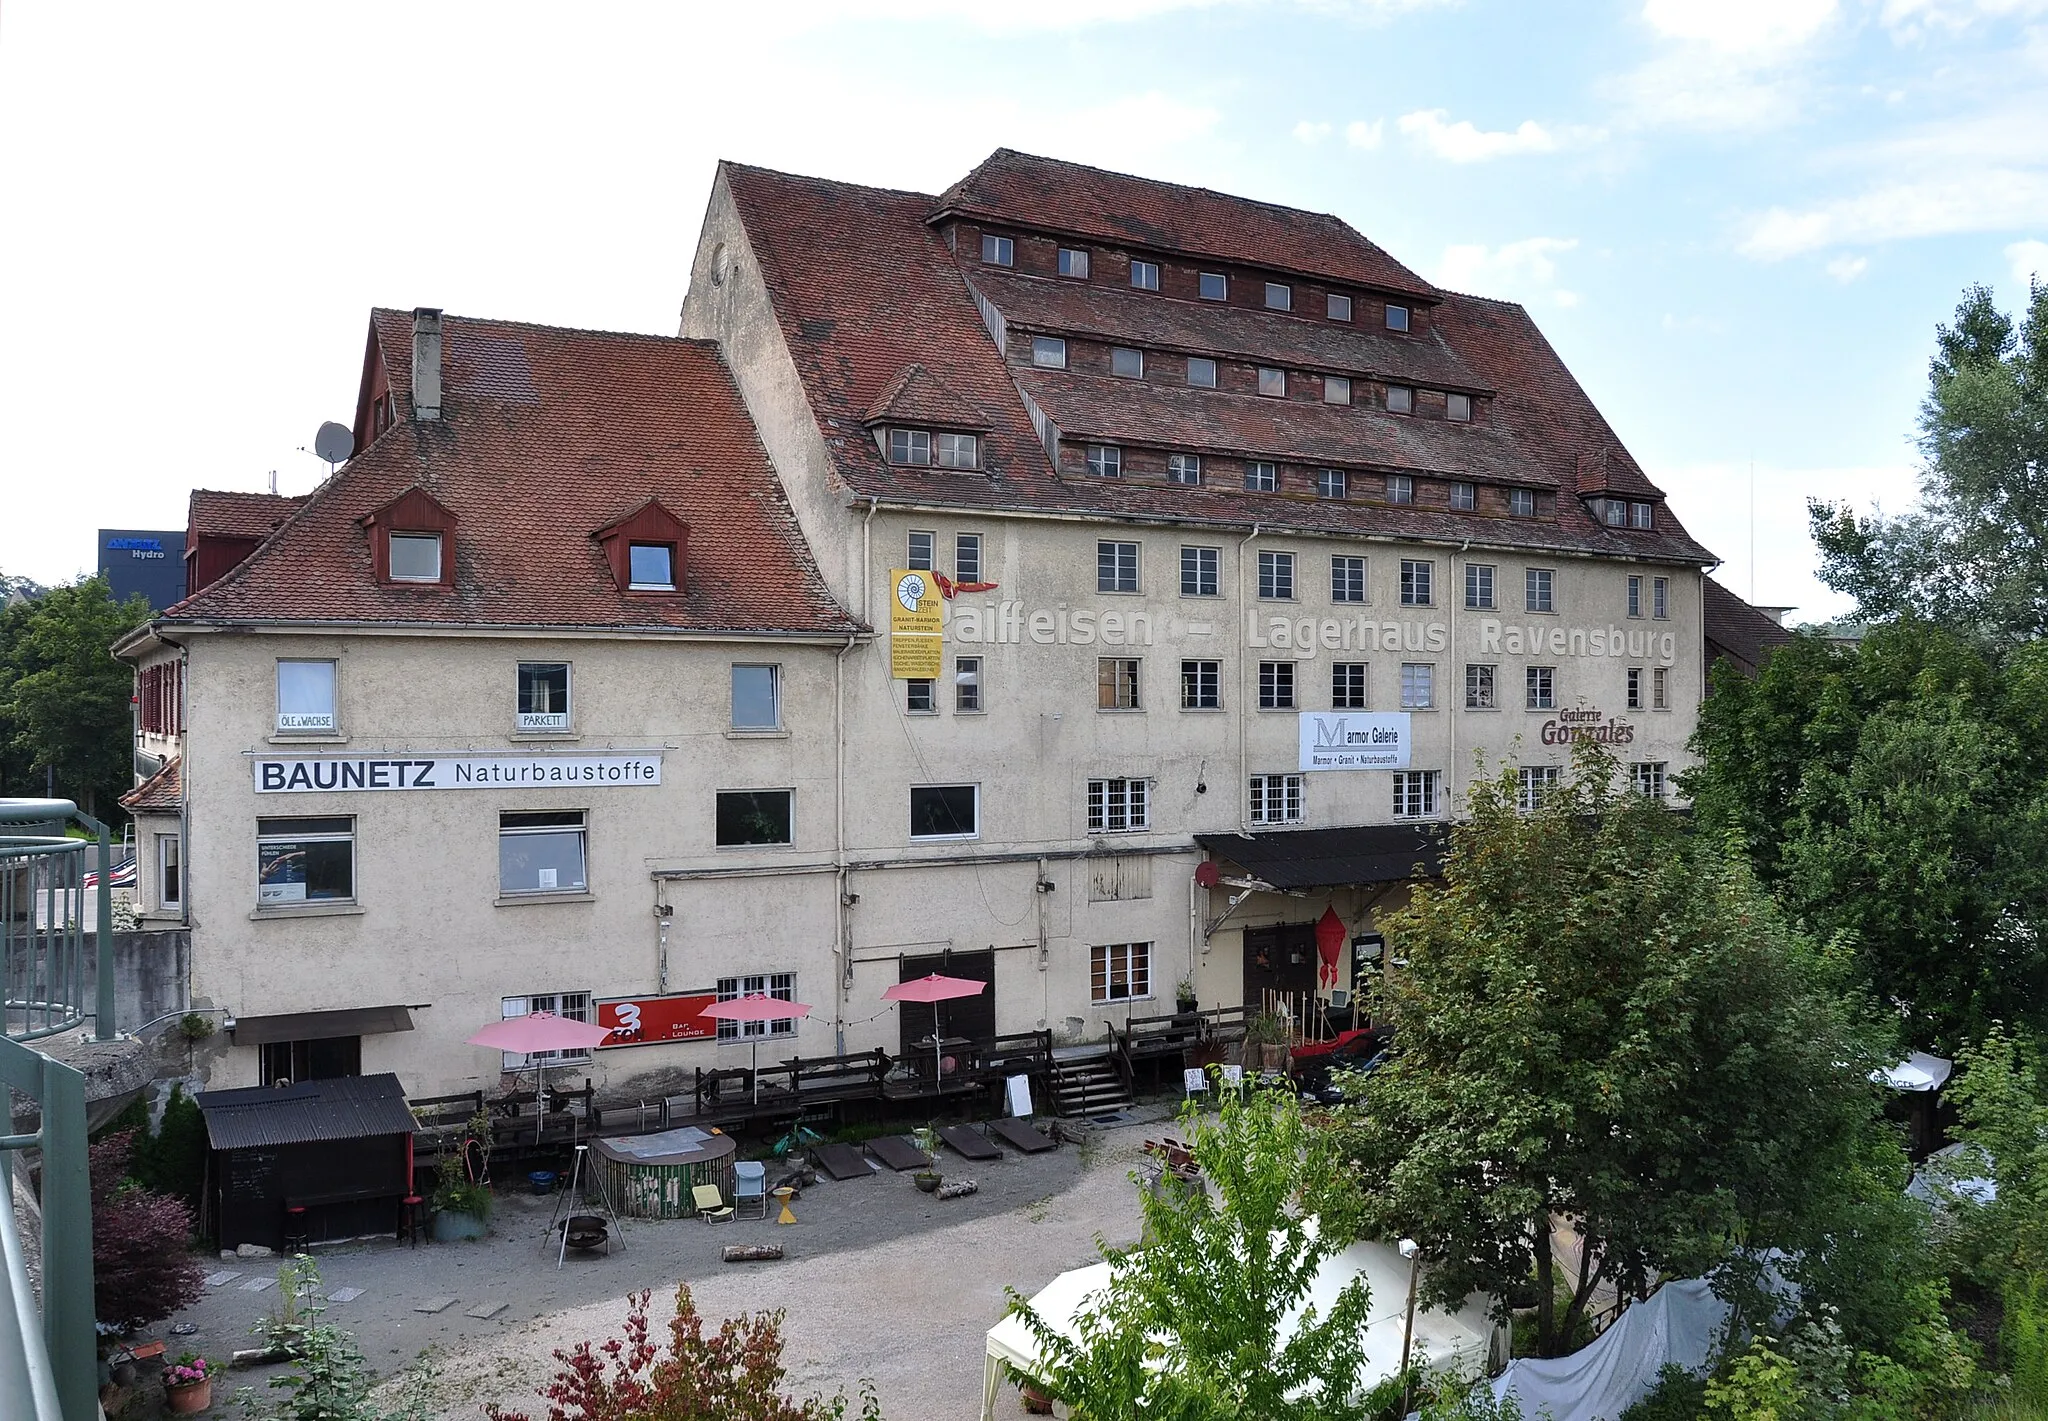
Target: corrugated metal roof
[(1330, 858), (351, 1108)]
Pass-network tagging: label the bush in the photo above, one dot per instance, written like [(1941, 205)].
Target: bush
[(142, 1265), (2023, 1341), (456, 1195)]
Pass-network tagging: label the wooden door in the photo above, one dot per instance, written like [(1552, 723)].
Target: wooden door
[(971, 1017)]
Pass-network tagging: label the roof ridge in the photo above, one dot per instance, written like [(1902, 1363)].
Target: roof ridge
[(739, 167), (446, 317), (1157, 182)]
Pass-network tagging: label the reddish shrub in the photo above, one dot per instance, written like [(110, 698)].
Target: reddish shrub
[(143, 1268)]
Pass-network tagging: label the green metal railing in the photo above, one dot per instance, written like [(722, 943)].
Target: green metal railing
[(42, 920)]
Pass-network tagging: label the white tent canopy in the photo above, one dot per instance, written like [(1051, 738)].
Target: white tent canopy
[(1457, 1341), (1918, 1072)]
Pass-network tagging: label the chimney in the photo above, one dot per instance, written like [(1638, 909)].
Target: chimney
[(426, 362)]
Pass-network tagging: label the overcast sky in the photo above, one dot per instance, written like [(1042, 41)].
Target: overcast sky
[(1739, 220)]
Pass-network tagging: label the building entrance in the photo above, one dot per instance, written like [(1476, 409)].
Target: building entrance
[(967, 1018)]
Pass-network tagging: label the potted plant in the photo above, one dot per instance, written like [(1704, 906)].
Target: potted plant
[(1265, 1041), (462, 1210), (927, 1180), (188, 1384), (1184, 996)]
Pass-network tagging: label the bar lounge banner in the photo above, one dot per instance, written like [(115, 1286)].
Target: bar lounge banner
[(642, 1021)]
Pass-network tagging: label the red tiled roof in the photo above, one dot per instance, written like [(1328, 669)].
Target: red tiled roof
[(546, 436), (163, 792), (1739, 631), (1050, 195), (219, 513), (919, 397)]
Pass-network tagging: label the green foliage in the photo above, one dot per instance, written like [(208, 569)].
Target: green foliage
[(456, 1195), (172, 1159), (2023, 1340), (325, 1376), (1678, 1396), (2000, 1091), (64, 700), (1814, 1374), (1189, 1327)]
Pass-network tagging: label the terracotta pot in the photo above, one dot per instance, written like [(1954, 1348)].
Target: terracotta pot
[(1036, 1402), (927, 1181), (190, 1399)]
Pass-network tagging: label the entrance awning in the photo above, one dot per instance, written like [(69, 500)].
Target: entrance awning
[(321, 1025), (1334, 858)]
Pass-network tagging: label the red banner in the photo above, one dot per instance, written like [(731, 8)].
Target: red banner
[(642, 1021)]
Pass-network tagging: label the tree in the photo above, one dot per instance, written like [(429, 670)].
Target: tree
[(64, 699), (142, 1265), (1974, 555), (1604, 1019), (1189, 1327)]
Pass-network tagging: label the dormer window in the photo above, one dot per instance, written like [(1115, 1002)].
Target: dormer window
[(1279, 296), (415, 557), (1401, 399), (646, 549), (998, 251), (1145, 276), (1215, 286), (1642, 515), (1074, 263), (1338, 306), (1458, 407), (959, 451), (1613, 512), (911, 447), (412, 541), (1522, 502), (652, 567), (1397, 318), (1049, 352)]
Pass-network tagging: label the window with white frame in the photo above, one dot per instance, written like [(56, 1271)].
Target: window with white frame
[(1635, 596), (967, 557), (1105, 461), (1202, 372), (305, 695), (1660, 688), (542, 696), (1074, 263), (945, 811), (1418, 685), (910, 446), (309, 859), (1479, 586), (1201, 685), (1261, 476), (1647, 778), (1613, 512), (1540, 685), (1145, 276), (1276, 685), (1272, 382), (1642, 515), (570, 1006), (1337, 306), (170, 872), (1116, 683), (1127, 362), (1458, 407), (1400, 488), (1347, 579), (966, 684), (1049, 352), (1183, 468), (1347, 685), (1336, 390), (1119, 972), (1279, 296), (1522, 502), (779, 985), (1332, 483), (1635, 688), (1116, 566), (1417, 578), (921, 551), (756, 697), (920, 696), (1414, 793), (1660, 597), (1479, 679), (998, 251), (415, 557), (1464, 497), (1200, 571), (1533, 784), (1275, 799), (1538, 583), (1119, 806), (541, 852), (959, 451), (1400, 399), (1214, 286), (1276, 577), (1397, 317)]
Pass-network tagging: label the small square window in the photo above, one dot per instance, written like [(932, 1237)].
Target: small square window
[(1332, 483), (1336, 390), (1541, 685), (921, 551), (543, 696), (541, 853), (1145, 275), (1537, 586), (1414, 793), (1400, 488), (415, 557), (305, 695), (1119, 972), (945, 811), (1201, 685), (920, 696), (1457, 407), (651, 567), (1347, 579), (1417, 575), (966, 684), (1200, 572), (1261, 477), (1276, 577), (911, 447), (1401, 399), (1347, 685), (1397, 318), (1660, 597), (959, 451), (1479, 586), (1272, 383), (1418, 685), (967, 557), (1116, 567), (1279, 296), (1049, 352), (1464, 497), (1642, 515), (1215, 286), (1522, 502), (1275, 799), (1119, 806), (779, 985), (998, 251), (1613, 512), (1105, 461), (745, 817), (1126, 362), (1202, 372), (1338, 307), (1183, 468), (1276, 685), (1534, 784), (1648, 777), (1116, 683), (756, 697), (1074, 263), (1479, 687)]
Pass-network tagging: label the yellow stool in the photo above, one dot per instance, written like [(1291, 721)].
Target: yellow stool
[(785, 1194)]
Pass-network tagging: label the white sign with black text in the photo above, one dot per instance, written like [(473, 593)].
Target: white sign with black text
[(1354, 740), (415, 770)]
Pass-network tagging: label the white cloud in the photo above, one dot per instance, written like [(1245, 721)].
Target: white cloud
[(1739, 26), (1463, 142), (1846, 269), (1726, 65), (2029, 260), (1306, 132), (1911, 19), (1524, 270), (1360, 134), (1998, 198)]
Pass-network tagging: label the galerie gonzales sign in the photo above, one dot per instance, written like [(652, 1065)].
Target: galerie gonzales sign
[(327, 774)]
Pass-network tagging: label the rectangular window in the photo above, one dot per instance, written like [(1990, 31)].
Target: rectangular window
[(1347, 685), (415, 557), (305, 861), (945, 811), (651, 567), (1049, 352), (541, 852), (959, 451), (1272, 383), (756, 697), (1537, 585), (1261, 477), (1279, 296), (571, 1006), (1541, 684), (1479, 687), (966, 684), (1347, 579), (1201, 685), (1635, 688), (1418, 685), (170, 872), (1479, 586), (998, 251), (1200, 571), (1613, 512), (305, 695), (1337, 307), (1126, 362), (1660, 688), (967, 557), (1332, 483), (920, 696), (1414, 793), (1635, 596), (1400, 399), (1105, 461), (1416, 578), (1276, 577), (543, 695), (1116, 567), (1336, 390), (1642, 515), (779, 985), (1202, 372), (1074, 263), (1145, 275), (1533, 784), (1400, 488), (1458, 407), (1647, 777), (921, 551), (1184, 468), (1464, 497), (1276, 685), (322, 1058), (1522, 502), (756, 816), (911, 447), (1215, 286), (1275, 799), (1116, 683), (1118, 806), (1120, 972), (1397, 317), (1660, 597)]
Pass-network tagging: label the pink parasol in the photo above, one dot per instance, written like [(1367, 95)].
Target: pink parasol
[(756, 1007), (540, 1031), (934, 989)]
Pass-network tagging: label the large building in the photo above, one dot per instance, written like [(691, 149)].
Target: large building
[(1008, 556)]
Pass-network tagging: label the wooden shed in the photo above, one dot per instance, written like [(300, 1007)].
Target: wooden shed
[(339, 1150)]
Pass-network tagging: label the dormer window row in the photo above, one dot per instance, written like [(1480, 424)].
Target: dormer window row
[(1624, 513), (928, 448), (1112, 461)]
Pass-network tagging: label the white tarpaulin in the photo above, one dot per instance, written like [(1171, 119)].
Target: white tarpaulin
[(1918, 1072), (1457, 1342)]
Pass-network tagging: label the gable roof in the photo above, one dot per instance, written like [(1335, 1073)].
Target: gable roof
[(1738, 631), (220, 513), (546, 436), (1049, 194), (163, 792), (919, 397)]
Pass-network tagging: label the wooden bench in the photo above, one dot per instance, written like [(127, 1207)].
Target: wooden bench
[(852, 1077)]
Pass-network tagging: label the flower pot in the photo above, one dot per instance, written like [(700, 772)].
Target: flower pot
[(927, 1180), (189, 1399), (1036, 1402), (451, 1227), (1185, 1006)]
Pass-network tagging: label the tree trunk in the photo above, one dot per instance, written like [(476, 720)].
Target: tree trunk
[(1545, 1286)]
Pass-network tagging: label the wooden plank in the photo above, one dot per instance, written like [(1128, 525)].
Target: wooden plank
[(898, 1153), (841, 1161), (968, 1144), (1020, 1135)]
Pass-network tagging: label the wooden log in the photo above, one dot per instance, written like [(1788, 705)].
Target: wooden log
[(959, 1189), (259, 1356), (751, 1252)]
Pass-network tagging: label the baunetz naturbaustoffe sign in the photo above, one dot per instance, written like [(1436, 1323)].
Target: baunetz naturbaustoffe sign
[(327, 774), (1354, 740)]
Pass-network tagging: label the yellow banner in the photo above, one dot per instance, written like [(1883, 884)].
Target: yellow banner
[(916, 626)]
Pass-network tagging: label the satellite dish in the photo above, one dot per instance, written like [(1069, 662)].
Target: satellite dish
[(334, 443), (1207, 874)]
